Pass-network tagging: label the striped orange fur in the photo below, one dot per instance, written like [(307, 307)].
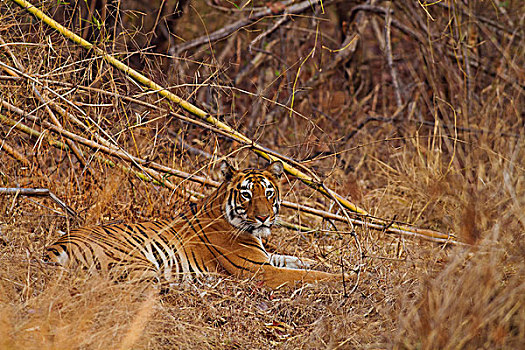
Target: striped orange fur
[(221, 234)]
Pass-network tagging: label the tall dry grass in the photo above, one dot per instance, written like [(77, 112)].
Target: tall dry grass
[(450, 157)]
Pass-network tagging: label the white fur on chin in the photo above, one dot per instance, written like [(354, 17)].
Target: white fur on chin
[(261, 232)]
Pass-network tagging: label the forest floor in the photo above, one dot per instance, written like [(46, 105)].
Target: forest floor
[(412, 111)]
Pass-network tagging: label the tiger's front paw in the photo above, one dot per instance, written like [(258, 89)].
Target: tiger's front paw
[(290, 262)]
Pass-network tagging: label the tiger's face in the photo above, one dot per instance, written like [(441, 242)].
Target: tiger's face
[(253, 199)]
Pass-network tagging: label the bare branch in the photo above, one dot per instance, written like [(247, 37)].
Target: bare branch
[(253, 18), (39, 192)]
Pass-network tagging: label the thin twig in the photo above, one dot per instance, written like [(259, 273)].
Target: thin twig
[(357, 243), (499, 26), (32, 132), (14, 153), (146, 174), (108, 150), (76, 151), (58, 129), (285, 18), (17, 71), (46, 103), (184, 146)]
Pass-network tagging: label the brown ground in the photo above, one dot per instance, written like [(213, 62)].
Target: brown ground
[(450, 156)]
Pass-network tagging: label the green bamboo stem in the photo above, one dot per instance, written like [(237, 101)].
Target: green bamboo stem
[(32, 132), (308, 180), (413, 232), (181, 102), (61, 145)]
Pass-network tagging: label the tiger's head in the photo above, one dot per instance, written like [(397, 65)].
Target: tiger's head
[(252, 197)]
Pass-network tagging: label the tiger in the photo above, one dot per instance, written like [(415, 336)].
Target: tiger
[(222, 233)]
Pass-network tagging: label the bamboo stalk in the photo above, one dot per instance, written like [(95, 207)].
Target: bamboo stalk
[(154, 176), (308, 180), (32, 132), (414, 232), (311, 181), (14, 153), (76, 151)]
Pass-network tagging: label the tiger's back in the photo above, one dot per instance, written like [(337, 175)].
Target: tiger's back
[(144, 251)]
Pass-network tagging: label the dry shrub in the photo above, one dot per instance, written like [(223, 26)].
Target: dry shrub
[(475, 302), (451, 158)]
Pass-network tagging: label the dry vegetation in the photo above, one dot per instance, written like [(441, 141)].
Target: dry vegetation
[(423, 122)]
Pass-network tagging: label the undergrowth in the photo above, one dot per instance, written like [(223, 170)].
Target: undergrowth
[(441, 148)]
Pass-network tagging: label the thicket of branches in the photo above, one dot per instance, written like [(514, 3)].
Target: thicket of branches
[(414, 111)]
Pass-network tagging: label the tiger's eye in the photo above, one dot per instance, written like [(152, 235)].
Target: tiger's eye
[(246, 195), (269, 193)]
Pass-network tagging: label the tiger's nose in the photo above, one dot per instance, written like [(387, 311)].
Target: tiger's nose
[(262, 218)]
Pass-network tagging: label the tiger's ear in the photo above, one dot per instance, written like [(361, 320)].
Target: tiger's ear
[(275, 168), (227, 170)]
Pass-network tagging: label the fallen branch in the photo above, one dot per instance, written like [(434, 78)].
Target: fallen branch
[(46, 102), (39, 192), (269, 31), (146, 171), (14, 153), (148, 175)]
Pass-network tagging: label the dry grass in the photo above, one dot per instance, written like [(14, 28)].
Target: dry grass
[(452, 158)]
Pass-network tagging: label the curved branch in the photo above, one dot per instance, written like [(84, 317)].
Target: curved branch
[(254, 17), (311, 181)]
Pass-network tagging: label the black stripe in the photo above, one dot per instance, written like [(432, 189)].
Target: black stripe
[(254, 262), (158, 224), (208, 245), (196, 263), (111, 231), (156, 254), (258, 246), (52, 250), (184, 249), (206, 242), (118, 244)]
